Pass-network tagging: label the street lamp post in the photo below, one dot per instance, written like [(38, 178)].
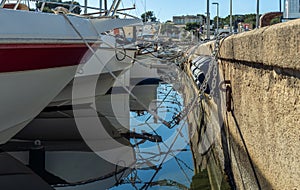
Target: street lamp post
[(217, 16), (280, 5), (208, 21), (230, 22), (257, 14)]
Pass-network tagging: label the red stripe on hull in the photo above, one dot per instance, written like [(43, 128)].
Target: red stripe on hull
[(22, 57)]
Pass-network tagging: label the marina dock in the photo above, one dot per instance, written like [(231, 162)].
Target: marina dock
[(254, 124)]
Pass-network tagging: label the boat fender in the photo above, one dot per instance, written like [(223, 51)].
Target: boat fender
[(228, 98)]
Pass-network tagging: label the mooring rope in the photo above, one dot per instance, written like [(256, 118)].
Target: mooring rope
[(112, 74)]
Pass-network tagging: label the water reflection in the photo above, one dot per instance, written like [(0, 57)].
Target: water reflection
[(166, 164), (141, 141), (166, 160)]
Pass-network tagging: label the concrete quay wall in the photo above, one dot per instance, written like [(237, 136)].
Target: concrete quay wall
[(263, 126)]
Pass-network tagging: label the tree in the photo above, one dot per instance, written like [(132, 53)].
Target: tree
[(275, 20), (221, 25), (192, 26), (251, 19), (149, 15), (247, 18), (49, 6)]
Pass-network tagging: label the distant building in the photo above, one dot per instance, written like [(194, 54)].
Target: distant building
[(291, 9), (182, 20), (242, 27)]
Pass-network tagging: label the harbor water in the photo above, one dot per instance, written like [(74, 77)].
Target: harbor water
[(151, 125)]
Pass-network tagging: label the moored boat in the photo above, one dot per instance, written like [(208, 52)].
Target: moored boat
[(38, 63), (40, 53), (99, 73)]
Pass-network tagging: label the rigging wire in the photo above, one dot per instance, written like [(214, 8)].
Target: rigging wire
[(177, 160), (177, 135), (111, 73), (147, 185)]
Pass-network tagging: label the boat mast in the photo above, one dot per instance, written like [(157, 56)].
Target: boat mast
[(2, 3), (100, 6), (105, 7), (85, 6), (116, 7), (17, 4), (111, 7)]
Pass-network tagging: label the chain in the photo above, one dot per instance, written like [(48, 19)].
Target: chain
[(213, 67), (217, 48), (215, 64), (203, 86)]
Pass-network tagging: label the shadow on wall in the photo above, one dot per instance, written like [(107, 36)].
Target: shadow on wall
[(247, 174)]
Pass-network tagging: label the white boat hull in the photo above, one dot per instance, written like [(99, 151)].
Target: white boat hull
[(96, 76), (39, 55), (25, 93)]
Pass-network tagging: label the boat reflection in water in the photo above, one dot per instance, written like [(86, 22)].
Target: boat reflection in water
[(101, 144), (143, 83), (56, 148), (61, 156), (165, 161)]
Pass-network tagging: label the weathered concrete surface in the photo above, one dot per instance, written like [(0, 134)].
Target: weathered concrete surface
[(204, 137), (263, 67), (277, 45), (267, 110)]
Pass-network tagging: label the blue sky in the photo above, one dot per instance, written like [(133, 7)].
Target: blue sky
[(165, 9)]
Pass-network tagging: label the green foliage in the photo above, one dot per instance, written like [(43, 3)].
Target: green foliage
[(275, 20), (47, 9), (49, 6), (247, 18), (76, 10), (225, 21), (251, 19), (149, 15), (220, 23), (192, 26), (201, 181)]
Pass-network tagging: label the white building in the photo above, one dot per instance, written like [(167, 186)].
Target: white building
[(182, 20), (291, 9)]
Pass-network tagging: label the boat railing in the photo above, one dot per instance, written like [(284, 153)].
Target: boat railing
[(113, 11), (16, 6)]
